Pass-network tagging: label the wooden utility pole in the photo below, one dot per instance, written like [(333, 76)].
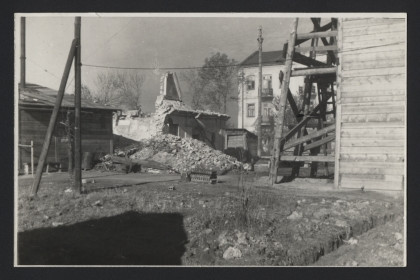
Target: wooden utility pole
[(282, 103), (22, 52), (260, 41), (70, 146), (53, 120), (77, 108), (242, 78)]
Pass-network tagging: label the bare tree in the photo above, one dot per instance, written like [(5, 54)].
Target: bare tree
[(119, 88), (86, 92)]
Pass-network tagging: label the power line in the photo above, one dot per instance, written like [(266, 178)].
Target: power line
[(102, 45), (44, 69), (162, 68), (216, 66)]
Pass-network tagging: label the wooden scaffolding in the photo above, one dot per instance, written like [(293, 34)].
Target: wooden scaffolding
[(323, 74)]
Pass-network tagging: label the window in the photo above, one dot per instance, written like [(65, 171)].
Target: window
[(267, 84), (251, 110), (300, 90), (250, 82)]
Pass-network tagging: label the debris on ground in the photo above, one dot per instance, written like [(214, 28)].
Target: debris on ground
[(182, 155), (274, 228), (295, 216), (232, 253), (351, 241), (56, 224), (97, 203)]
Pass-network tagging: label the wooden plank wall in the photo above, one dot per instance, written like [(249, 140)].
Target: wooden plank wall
[(372, 103), (96, 134)]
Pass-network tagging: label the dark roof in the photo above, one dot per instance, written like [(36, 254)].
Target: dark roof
[(276, 58), (39, 96), (268, 58)]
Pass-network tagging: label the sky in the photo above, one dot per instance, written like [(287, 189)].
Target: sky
[(143, 40)]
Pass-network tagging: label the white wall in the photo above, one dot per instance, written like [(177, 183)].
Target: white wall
[(251, 96)]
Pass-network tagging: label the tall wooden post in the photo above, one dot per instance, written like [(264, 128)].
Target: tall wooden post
[(242, 79), (22, 52), (53, 120), (259, 116), (282, 103), (70, 144), (77, 108)]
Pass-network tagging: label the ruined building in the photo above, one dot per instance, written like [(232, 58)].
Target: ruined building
[(173, 116)]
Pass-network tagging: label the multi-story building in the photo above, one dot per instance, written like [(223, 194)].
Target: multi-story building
[(273, 68)]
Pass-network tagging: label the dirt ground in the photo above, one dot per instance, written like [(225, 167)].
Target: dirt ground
[(156, 219)]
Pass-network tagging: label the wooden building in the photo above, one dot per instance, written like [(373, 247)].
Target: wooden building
[(364, 83), (371, 104), (34, 112), (240, 143)]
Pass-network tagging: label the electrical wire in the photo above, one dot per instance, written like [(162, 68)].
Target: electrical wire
[(44, 69), (102, 46), (218, 66)]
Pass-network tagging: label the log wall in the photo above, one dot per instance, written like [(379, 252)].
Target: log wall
[(96, 130), (371, 104)]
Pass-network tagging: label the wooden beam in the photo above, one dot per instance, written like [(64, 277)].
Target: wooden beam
[(307, 61), (309, 137), (77, 108), (298, 42), (292, 103), (314, 71), (282, 103), (316, 49), (53, 120), (319, 142), (331, 54), (308, 158), (302, 122), (317, 35), (320, 29)]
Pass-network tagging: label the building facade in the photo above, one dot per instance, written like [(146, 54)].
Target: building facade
[(272, 70), (35, 107)]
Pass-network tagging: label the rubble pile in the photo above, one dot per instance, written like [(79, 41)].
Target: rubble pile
[(182, 154)]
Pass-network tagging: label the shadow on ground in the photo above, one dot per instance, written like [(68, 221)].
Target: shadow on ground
[(128, 239)]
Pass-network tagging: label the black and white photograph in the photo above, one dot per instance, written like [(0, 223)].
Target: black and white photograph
[(210, 139)]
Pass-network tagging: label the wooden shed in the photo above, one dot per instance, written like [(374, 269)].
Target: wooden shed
[(371, 104), (240, 143), (34, 112)]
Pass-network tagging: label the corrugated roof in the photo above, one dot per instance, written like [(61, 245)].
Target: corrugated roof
[(268, 58), (36, 95)]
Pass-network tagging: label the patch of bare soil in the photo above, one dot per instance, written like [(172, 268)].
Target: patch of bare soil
[(172, 223), (381, 246)]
